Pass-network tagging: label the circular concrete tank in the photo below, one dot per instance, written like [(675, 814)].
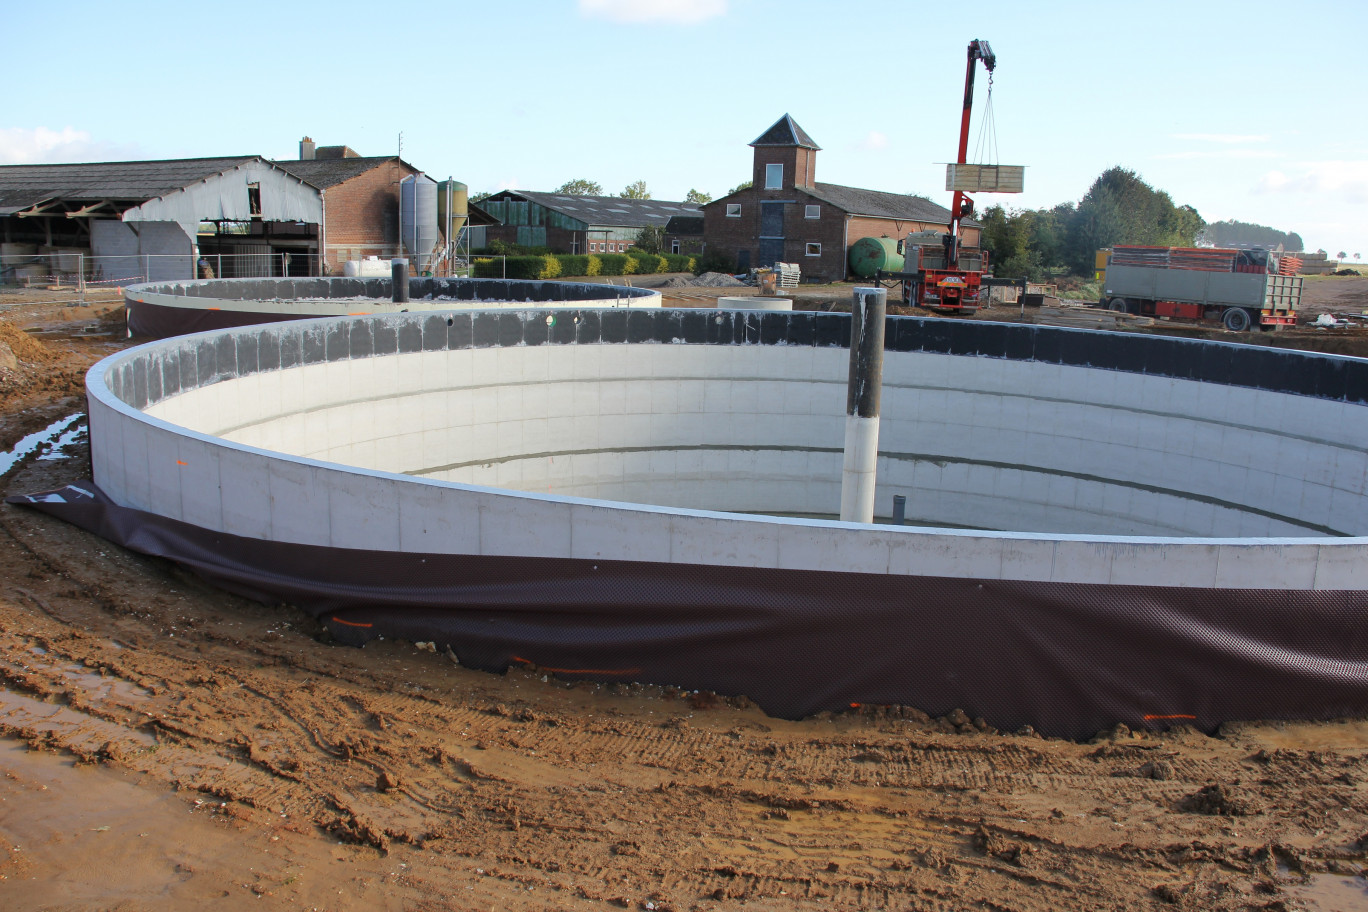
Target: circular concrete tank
[(754, 302), (160, 309), (1111, 527)]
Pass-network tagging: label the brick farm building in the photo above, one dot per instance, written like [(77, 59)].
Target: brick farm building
[(787, 216)]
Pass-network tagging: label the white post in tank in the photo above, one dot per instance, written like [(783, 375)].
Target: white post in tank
[(862, 404)]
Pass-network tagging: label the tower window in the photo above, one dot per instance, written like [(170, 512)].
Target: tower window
[(774, 177)]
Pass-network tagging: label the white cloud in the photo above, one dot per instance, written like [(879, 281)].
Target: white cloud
[(1222, 153), (873, 141), (1227, 138), (1340, 181), (683, 12), (40, 145)]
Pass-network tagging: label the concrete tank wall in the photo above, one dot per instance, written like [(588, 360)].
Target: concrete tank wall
[(748, 419)]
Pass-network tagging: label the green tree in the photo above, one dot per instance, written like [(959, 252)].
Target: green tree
[(1009, 236), (699, 197), (744, 185), (1120, 208), (651, 239), (581, 187), (636, 190)]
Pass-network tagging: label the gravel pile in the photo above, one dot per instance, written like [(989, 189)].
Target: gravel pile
[(706, 280)]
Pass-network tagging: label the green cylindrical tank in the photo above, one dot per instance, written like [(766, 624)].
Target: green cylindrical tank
[(870, 254)]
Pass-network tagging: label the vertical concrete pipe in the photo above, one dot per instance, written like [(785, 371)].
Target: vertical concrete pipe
[(867, 314), (399, 275)]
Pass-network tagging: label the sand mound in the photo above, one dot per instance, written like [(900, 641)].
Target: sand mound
[(25, 348)]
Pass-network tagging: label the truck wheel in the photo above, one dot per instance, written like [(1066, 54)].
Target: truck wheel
[(1118, 304), (1236, 319)]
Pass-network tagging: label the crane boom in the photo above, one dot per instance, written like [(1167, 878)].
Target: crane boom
[(962, 206)]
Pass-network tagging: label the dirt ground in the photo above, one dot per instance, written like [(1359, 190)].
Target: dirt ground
[(164, 745)]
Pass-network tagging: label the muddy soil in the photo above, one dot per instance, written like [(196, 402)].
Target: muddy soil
[(165, 745)]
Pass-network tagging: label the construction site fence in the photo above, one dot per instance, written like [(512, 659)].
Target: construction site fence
[(447, 262)]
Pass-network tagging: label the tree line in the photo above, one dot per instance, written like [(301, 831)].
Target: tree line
[(1231, 233), (1119, 208)]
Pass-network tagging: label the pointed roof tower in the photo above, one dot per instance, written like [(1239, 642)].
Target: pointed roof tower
[(786, 132)]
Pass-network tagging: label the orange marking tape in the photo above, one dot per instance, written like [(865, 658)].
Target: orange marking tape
[(581, 671), (351, 623), (1150, 717), (181, 462)]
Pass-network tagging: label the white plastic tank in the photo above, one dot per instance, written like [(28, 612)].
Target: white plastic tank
[(370, 267), (418, 220)]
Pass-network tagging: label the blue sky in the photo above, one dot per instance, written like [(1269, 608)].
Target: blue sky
[(1244, 110)]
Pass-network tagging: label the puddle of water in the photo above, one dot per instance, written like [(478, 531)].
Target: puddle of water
[(98, 687), (19, 711), (1331, 893), (73, 435), (51, 436)]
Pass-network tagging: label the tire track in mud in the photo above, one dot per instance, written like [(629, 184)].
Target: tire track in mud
[(625, 796)]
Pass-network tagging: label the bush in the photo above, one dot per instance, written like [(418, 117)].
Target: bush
[(715, 261), (679, 262), (573, 265), (519, 267), (648, 263), (615, 264), (503, 248)]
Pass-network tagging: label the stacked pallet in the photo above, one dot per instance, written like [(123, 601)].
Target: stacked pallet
[(1318, 263), (1205, 259)]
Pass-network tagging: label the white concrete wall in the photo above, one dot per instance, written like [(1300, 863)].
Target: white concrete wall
[(757, 428), (342, 307), (974, 442)]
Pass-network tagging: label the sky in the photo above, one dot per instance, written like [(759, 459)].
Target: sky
[(1245, 110)]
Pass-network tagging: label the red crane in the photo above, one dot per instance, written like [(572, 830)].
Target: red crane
[(963, 206), (937, 276)]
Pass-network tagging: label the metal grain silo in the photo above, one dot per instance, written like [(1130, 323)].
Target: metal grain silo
[(453, 207), (418, 220)]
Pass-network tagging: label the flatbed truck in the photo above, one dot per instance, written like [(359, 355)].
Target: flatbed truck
[(1240, 289)]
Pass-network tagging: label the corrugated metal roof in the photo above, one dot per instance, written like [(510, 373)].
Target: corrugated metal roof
[(608, 211), (23, 186), (325, 173)]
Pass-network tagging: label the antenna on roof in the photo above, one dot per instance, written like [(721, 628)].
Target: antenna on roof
[(401, 145)]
